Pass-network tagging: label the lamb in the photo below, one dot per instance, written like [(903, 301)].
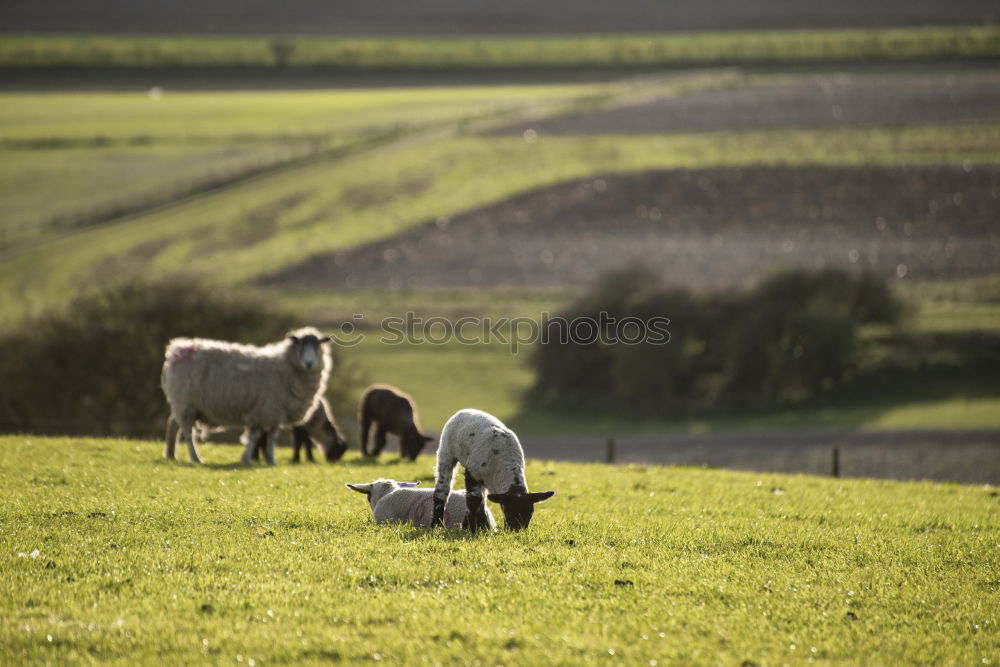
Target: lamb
[(493, 458), (393, 411), (229, 384), (319, 429), (394, 502)]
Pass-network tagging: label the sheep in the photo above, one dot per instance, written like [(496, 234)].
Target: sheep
[(394, 501), (318, 428), (393, 411), (493, 458), (259, 388)]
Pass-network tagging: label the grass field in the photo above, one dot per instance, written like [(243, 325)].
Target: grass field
[(116, 152), (111, 554), (276, 220), (602, 51)]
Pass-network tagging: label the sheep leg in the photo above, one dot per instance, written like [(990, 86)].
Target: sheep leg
[(474, 502), (252, 439), (187, 432), (171, 438), (442, 488), (366, 424), (380, 434), (297, 444), (302, 435), (270, 436)]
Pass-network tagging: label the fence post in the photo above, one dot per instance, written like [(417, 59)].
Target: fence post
[(609, 454), (836, 462)]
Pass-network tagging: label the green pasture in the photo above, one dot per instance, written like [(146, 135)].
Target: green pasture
[(244, 232), (110, 553), (497, 52), (96, 119), (111, 153)]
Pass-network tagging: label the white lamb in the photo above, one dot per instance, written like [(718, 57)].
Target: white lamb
[(400, 502), (258, 388), (493, 458)]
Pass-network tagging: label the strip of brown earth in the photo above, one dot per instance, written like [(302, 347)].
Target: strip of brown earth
[(886, 99), (699, 228)]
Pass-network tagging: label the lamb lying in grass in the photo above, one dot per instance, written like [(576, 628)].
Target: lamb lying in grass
[(400, 502)]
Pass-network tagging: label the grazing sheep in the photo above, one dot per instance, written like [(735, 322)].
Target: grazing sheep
[(319, 428), (259, 388), (394, 501), (394, 412), (493, 458)]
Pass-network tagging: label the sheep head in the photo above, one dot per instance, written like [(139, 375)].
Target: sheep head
[(518, 505), (412, 442), (380, 488), (306, 348)]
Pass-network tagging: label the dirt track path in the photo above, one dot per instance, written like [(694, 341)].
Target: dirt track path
[(971, 456)]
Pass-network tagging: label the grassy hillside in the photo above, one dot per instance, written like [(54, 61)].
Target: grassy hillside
[(112, 153), (496, 52), (109, 553), (277, 220)]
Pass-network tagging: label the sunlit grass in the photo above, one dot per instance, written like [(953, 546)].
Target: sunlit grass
[(111, 554), (252, 229), (94, 118), (499, 51)]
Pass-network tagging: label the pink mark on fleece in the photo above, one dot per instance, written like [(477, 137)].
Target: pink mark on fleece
[(182, 354), (422, 511)]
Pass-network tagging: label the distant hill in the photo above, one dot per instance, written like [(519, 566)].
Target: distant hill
[(446, 17)]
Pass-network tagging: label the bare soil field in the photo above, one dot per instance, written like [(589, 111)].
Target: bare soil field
[(448, 17), (970, 457), (700, 228), (886, 99)]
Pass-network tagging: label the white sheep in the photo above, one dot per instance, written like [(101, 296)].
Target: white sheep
[(400, 502), (233, 385), (493, 458)]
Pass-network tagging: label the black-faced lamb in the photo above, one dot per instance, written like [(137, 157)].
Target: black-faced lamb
[(393, 411), (400, 502), (319, 429), (232, 385), (493, 459)]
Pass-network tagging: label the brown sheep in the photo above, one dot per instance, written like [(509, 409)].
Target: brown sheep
[(393, 412)]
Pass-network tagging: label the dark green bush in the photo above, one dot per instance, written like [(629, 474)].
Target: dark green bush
[(94, 369), (791, 337)]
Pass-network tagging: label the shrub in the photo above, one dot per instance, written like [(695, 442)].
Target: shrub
[(792, 336), (95, 368)]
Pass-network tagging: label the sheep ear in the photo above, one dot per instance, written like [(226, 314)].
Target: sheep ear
[(324, 339), (497, 497), (409, 485), (360, 488), (540, 496), (294, 339)]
